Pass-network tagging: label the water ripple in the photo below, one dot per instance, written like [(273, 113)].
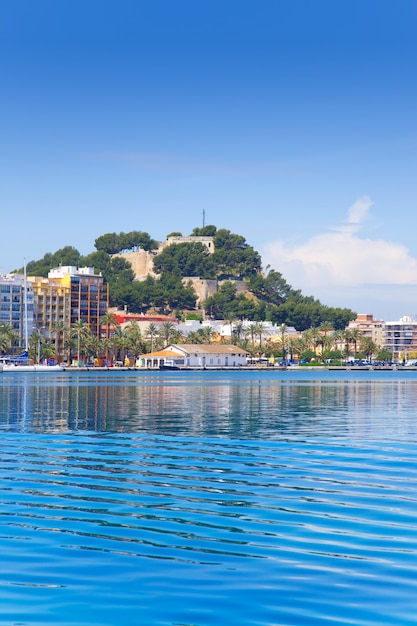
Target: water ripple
[(117, 517), (249, 499)]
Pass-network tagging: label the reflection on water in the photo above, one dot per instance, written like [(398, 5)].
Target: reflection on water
[(255, 407), (244, 500)]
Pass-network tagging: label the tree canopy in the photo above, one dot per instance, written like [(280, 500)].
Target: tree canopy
[(64, 256), (269, 295), (234, 257), (205, 231), (113, 243), (188, 259)]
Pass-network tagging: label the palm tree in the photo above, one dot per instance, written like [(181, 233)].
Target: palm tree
[(165, 332), (238, 329), (80, 331), (354, 337), (326, 328), (48, 350), (70, 347), (177, 336), (60, 330), (110, 349), (368, 347), (94, 346), (152, 333), (346, 341), (229, 323), (312, 337), (136, 342), (117, 343), (110, 321), (260, 330), (337, 338), (4, 343), (323, 337), (282, 340), (251, 330), (8, 336), (35, 346), (208, 333), (296, 346), (195, 336)]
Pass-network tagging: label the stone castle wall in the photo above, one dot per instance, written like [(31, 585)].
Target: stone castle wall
[(142, 266), (205, 288), (141, 262)]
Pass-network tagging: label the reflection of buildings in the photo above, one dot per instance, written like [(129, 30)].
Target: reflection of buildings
[(201, 405)]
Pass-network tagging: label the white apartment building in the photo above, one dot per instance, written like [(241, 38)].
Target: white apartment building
[(401, 337), (16, 307)]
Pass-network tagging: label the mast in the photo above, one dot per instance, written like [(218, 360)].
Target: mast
[(25, 304)]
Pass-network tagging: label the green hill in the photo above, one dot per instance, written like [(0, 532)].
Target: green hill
[(269, 296)]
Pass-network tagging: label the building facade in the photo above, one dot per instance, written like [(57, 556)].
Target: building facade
[(401, 338), (195, 355), (208, 242), (143, 320), (368, 327), (17, 307), (68, 295)]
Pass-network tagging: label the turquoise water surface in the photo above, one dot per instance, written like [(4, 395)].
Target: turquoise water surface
[(200, 498)]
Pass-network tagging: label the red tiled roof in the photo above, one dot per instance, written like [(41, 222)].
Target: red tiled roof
[(122, 318), (160, 353)]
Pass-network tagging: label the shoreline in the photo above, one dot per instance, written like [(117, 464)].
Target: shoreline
[(245, 368), (248, 368)]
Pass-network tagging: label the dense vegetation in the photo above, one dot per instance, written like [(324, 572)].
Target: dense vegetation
[(114, 244), (76, 342), (270, 297)]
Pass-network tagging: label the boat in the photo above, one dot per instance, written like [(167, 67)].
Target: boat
[(12, 367), (20, 364)]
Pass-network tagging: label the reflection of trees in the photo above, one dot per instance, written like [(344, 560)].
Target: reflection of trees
[(202, 406)]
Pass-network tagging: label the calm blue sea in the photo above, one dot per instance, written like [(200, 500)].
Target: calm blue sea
[(207, 498)]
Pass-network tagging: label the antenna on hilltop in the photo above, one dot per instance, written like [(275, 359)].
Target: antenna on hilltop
[(204, 217)]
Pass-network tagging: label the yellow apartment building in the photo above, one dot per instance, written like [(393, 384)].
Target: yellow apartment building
[(67, 295)]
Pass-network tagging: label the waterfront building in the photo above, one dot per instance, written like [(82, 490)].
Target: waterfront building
[(195, 355), (401, 338), (368, 327), (16, 307), (69, 294)]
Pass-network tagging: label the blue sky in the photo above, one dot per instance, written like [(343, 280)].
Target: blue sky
[(290, 122)]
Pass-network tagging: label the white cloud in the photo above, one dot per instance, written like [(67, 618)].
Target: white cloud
[(342, 258), (359, 210)]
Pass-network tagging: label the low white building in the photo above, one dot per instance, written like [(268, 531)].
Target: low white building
[(195, 355)]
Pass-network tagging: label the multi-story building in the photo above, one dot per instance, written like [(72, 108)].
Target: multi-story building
[(368, 327), (401, 338), (68, 295), (17, 307)]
